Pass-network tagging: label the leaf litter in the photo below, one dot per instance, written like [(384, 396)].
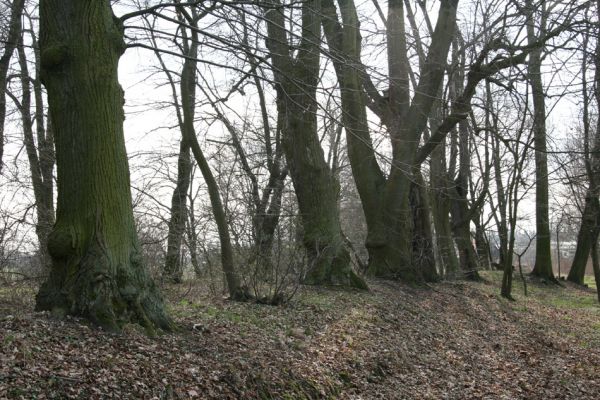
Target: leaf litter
[(452, 340)]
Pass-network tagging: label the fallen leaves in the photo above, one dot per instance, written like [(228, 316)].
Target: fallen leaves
[(455, 341)]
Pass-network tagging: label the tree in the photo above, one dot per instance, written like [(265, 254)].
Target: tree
[(518, 150), (188, 132), (543, 258), (96, 265), (40, 156), (590, 222), (173, 270), (296, 82), (386, 201)]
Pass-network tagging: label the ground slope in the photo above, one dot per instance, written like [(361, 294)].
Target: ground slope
[(449, 340)]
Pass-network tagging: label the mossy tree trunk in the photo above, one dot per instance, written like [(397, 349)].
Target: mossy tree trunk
[(296, 83), (386, 202), (97, 270), (344, 42), (588, 233)]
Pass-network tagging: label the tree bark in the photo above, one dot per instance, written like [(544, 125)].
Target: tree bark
[(97, 271)]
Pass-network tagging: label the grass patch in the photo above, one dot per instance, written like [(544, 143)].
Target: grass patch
[(572, 301), (590, 281)]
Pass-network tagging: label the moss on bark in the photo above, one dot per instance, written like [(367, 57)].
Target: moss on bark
[(96, 265)]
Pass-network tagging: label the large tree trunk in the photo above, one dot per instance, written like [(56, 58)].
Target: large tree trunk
[(543, 258), (96, 271), (462, 235), (173, 270), (296, 82), (386, 203), (441, 218), (14, 32), (370, 180), (316, 192)]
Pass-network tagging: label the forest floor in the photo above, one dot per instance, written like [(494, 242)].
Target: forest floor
[(453, 340)]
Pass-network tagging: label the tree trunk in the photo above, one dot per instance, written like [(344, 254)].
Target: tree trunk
[(596, 266), (96, 262), (588, 233), (14, 32), (316, 192), (440, 199), (188, 99), (481, 244), (441, 220), (590, 228), (173, 270), (42, 164), (502, 222), (386, 202), (423, 256), (462, 236), (296, 83), (543, 257), (507, 276)]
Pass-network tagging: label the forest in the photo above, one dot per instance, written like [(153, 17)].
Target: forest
[(300, 199)]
